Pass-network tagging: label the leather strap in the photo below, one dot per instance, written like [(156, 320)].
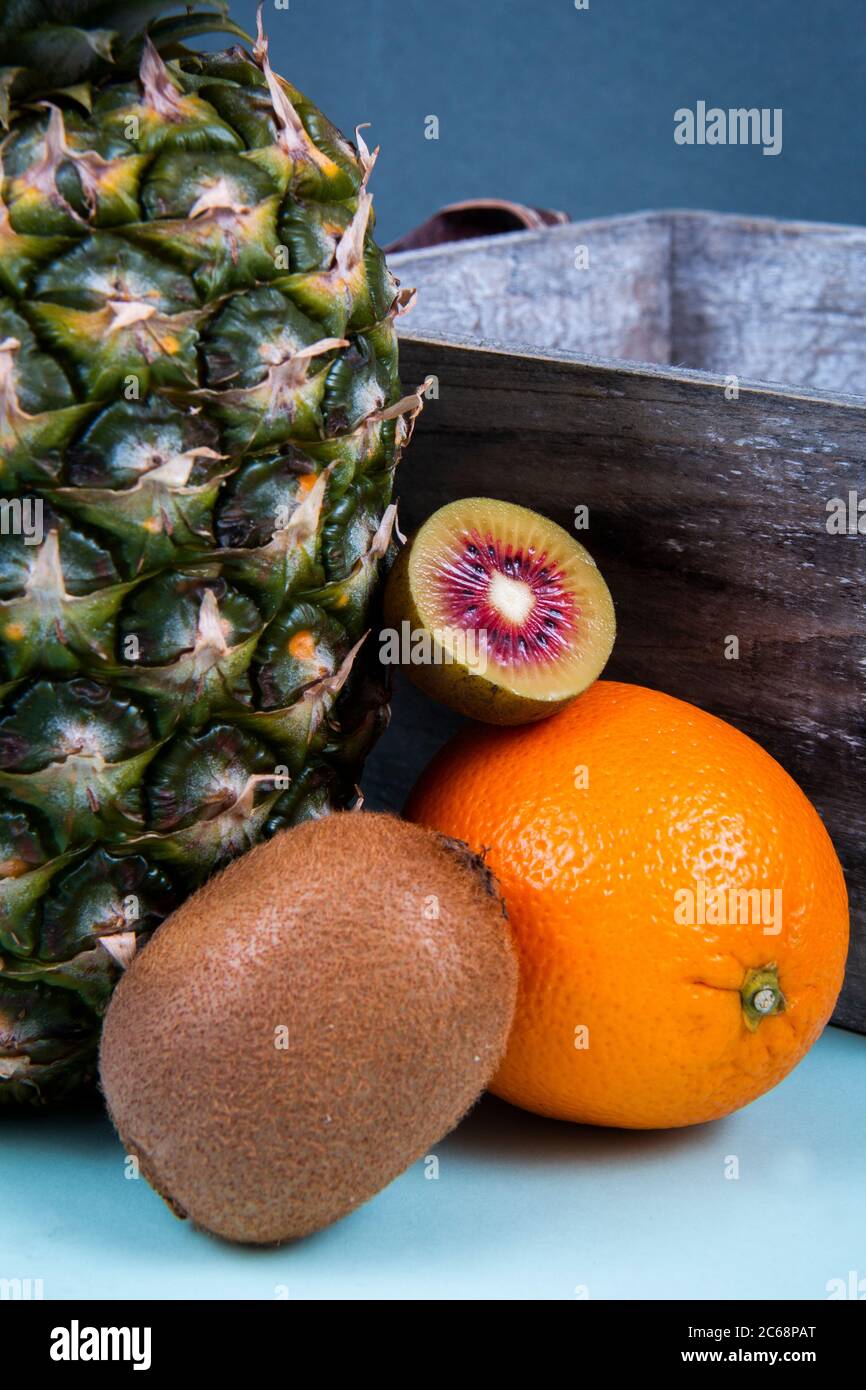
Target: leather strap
[(476, 218)]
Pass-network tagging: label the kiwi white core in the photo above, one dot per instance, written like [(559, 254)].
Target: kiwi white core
[(512, 598)]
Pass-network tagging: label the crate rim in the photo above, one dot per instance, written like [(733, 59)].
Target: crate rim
[(560, 230), (687, 376), (629, 366)]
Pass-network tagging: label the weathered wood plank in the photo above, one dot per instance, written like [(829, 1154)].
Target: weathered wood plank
[(533, 289), (774, 301), (770, 301)]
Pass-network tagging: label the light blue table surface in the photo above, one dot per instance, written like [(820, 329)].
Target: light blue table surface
[(522, 1208)]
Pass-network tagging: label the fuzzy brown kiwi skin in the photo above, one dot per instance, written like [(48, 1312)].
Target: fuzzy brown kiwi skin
[(397, 1021), (466, 692)]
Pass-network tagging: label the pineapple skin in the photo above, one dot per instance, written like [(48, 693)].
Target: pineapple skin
[(199, 400)]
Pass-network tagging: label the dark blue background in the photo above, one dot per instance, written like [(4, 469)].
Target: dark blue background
[(574, 109)]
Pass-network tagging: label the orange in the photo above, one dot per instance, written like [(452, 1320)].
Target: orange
[(678, 908)]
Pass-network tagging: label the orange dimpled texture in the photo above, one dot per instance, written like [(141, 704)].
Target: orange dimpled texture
[(678, 908)]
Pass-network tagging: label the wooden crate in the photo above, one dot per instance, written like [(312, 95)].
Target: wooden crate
[(605, 386)]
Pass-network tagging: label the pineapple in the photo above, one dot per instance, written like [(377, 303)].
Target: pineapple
[(200, 417)]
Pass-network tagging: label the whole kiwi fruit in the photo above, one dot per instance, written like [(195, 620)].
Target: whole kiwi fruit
[(309, 1024)]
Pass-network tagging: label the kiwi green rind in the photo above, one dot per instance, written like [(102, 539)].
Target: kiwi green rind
[(383, 950)]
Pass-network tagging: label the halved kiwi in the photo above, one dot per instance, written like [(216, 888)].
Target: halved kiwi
[(498, 612)]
